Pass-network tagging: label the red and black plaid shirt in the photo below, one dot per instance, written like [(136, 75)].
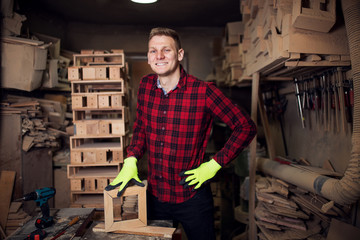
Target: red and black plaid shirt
[(175, 129)]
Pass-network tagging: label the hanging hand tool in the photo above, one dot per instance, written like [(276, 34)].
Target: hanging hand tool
[(336, 101), (297, 94), (323, 100), (41, 197), (340, 83), (62, 231)]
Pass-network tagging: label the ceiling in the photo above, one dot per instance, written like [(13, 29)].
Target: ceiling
[(177, 13)]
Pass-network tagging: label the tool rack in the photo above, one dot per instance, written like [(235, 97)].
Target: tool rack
[(99, 87)]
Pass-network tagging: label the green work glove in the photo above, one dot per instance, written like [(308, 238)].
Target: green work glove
[(128, 173), (200, 175)]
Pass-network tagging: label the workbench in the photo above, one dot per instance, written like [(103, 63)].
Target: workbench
[(63, 216)]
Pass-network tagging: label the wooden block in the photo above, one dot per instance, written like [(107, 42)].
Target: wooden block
[(110, 224), (6, 188), (73, 73), (99, 59), (114, 73), (104, 127), (89, 156), (86, 59), (118, 156), (118, 128), (92, 128), (75, 157), (314, 17), (77, 101), (100, 73), (80, 128), (332, 43), (119, 59), (76, 184), (104, 101), (102, 183), (89, 184), (92, 101), (116, 100), (88, 73), (101, 156)]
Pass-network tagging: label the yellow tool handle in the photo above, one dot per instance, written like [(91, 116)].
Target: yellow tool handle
[(75, 220)]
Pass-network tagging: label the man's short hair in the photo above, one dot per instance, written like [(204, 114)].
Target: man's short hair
[(161, 31)]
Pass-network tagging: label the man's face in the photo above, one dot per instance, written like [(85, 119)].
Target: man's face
[(163, 57)]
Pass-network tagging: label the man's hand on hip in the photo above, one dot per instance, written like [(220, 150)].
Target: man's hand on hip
[(200, 175)]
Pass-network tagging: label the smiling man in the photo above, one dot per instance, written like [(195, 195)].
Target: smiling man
[(174, 116)]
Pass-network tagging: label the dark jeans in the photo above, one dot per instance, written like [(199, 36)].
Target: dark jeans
[(196, 215)]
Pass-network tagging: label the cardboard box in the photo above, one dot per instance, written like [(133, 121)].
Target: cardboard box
[(22, 65), (54, 48)]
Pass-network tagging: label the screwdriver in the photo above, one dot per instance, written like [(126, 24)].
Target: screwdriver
[(62, 231)]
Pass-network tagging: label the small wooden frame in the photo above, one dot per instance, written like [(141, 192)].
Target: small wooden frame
[(141, 221)]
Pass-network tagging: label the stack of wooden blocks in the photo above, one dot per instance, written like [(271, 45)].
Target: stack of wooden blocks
[(98, 90), (292, 34), (281, 38)]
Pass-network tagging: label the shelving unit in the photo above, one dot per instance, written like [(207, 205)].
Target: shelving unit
[(101, 118)]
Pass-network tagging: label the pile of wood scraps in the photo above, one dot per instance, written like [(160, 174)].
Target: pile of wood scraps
[(43, 120), (16, 218), (285, 211), (11, 214)]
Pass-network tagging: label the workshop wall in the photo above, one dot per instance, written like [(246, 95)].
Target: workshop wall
[(197, 42)]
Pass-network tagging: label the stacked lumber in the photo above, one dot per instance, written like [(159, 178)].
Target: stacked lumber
[(99, 97), (42, 120), (281, 36), (285, 211), (16, 218), (281, 39)]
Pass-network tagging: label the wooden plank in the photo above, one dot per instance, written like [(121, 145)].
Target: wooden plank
[(6, 188), (153, 231), (265, 123), (340, 230), (252, 165), (14, 207)]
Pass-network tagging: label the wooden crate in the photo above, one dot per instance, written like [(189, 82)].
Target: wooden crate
[(84, 114), (116, 59), (113, 143), (97, 156), (97, 170), (98, 86), (109, 100), (109, 196), (100, 127), (89, 184)]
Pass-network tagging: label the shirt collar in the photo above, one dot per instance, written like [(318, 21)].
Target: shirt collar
[(181, 83)]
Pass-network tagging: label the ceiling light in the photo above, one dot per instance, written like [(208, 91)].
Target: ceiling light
[(144, 1)]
